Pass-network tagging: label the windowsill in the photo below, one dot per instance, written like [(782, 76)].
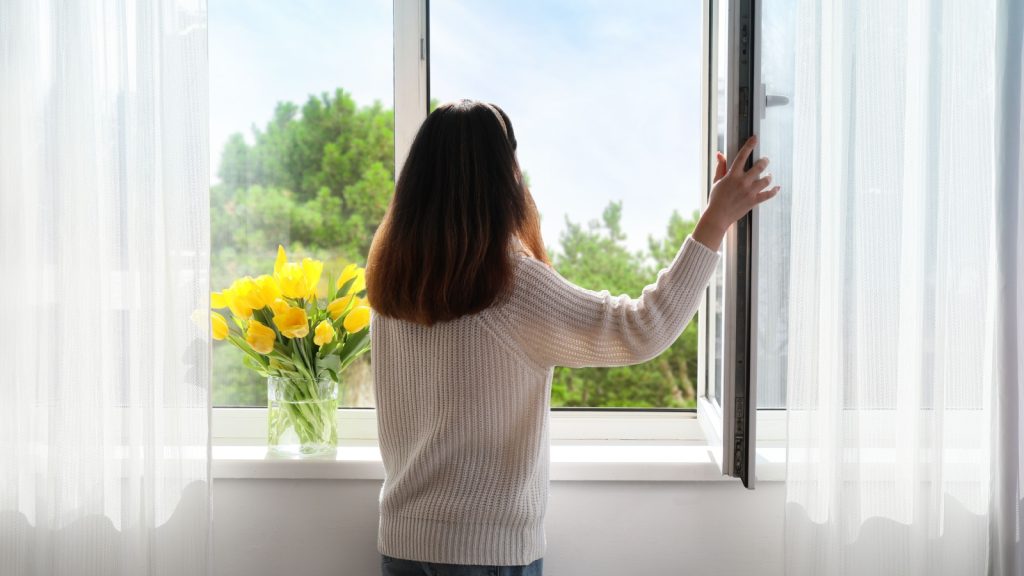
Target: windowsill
[(575, 461)]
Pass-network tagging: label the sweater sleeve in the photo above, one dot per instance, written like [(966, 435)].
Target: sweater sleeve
[(560, 324)]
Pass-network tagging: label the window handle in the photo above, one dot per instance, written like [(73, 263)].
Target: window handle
[(768, 101)]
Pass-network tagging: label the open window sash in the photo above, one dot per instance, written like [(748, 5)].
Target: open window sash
[(727, 405)]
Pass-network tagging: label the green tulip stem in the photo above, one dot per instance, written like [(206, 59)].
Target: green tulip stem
[(303, 407)]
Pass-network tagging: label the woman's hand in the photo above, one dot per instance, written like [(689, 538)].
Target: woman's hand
[(733, 194)]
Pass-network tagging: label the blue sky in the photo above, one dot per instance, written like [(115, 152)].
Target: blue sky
[(604, 95)]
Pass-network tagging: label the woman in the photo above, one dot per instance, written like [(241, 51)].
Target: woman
[(469, 321)]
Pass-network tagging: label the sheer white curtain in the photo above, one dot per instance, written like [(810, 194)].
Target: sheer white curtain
[(104, 366), (904, 319)]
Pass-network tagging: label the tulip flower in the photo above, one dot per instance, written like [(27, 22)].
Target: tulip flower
[(219, 326), (311, 271), (267, 290), (357, 319), (243, 297), (260, 337), (348, 273), (292, 281), (281, 260), (218, 300), (338, 306), (297, 280), (324, 333), (292, 322), (278, 306)]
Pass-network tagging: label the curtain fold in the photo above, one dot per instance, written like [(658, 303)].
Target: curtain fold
[(1006, 509), (104, 248), (903, 329)]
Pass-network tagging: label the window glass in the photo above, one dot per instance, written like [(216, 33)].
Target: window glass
[(775, 142), (302, 150), (605, 101), (716, 301)]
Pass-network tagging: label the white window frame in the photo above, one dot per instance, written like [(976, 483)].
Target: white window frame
[(412, 74), (709, 413), (247, 426)]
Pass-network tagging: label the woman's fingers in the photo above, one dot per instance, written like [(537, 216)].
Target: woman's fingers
[(722, 167), (767, 195), (737, 190), (743, 154), (760, 184), (757, 168)]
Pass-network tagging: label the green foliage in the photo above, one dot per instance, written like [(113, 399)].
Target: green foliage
[(318, 179), (596, 257), (233, 383)]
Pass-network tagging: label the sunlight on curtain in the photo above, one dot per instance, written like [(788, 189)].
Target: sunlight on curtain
[(892, 313), (104, 215)]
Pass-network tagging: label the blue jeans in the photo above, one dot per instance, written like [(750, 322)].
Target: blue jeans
[(397, 567)]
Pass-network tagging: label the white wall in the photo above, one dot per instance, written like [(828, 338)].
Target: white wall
[(328, 527)]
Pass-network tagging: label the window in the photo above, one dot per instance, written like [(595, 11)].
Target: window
[(605, 100), (302, 145), (617, 113), (744, 338)]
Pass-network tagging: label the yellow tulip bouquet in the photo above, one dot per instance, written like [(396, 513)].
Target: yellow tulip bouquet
[(299, 345)]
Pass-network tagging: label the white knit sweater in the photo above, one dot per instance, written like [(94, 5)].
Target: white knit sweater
[(463, 405)]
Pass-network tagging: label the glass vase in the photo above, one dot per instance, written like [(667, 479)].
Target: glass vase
[(302, 416)]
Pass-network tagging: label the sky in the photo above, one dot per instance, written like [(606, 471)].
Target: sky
[(604, 95)]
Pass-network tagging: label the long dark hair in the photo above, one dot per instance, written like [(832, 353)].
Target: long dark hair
[(443, 248)]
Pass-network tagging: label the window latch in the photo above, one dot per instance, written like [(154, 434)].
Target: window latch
[(769, 101)]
